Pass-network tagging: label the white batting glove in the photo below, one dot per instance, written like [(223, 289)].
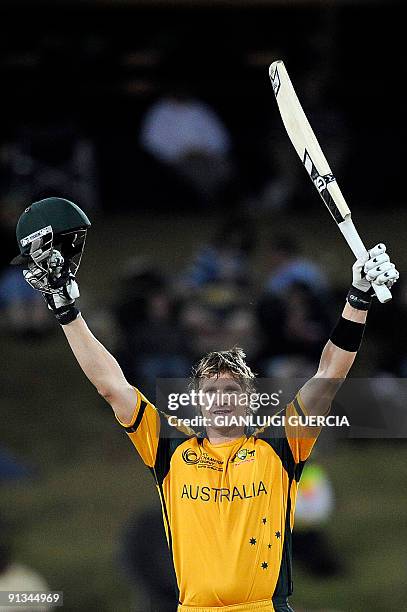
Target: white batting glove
[(56, 261), (65, 288), (375, 269)]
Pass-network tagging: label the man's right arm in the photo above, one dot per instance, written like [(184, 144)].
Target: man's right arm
[(60, 290), (102, 369), (138, 416)]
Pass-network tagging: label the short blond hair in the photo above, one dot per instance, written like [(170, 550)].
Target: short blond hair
[(232, 361)]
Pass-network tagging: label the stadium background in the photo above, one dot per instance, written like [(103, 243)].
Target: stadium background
[(70, 480)]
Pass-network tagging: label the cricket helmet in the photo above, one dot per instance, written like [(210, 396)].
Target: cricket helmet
[(52, 224)]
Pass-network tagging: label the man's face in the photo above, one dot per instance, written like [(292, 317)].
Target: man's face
[(222, 395)]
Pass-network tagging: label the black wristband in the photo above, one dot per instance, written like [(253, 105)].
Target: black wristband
[(360, 300), (66, 314), (348, 335)]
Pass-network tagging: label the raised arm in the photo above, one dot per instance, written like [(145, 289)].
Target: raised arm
[(315, 397), (97, 363), (101, 368), (318, 392), (340, 351)]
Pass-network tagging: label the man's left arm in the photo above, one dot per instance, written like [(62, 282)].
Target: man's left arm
[(335, 363), (338, 355)]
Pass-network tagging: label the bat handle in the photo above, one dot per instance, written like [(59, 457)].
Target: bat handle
[(359, 250), (383, 293)]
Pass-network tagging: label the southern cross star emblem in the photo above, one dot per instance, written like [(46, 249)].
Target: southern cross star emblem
[(264, 565), (278, 535), (264, 520), (252, 541)]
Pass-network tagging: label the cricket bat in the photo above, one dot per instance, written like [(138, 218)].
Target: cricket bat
[(315, 163)]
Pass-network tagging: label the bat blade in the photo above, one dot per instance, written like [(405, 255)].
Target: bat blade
[(309, 151), (305, 142)]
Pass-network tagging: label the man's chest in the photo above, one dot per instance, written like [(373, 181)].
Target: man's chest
[(248, 472)]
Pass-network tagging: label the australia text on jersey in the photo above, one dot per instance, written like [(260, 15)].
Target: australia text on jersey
[(205, 493)]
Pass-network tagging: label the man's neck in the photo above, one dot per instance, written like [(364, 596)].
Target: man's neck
[(219, 437)]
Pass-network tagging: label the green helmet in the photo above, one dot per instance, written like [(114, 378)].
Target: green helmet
[(48, 225)]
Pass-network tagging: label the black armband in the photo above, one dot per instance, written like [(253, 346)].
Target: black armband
[(348, 335), (66, 314), (360, 300)]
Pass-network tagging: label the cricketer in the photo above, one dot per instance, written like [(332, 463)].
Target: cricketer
[(228, 495)]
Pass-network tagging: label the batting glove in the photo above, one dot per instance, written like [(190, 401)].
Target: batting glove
[(64, 286), (375, 269)]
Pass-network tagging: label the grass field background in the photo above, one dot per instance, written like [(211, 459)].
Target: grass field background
[(88, 480)]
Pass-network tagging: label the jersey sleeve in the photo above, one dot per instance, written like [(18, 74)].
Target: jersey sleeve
[(144, 429), (301, 438), (154, 439)]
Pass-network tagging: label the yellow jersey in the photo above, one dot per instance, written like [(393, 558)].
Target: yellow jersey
[(228, 508)]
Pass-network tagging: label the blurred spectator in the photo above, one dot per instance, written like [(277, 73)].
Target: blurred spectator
[(217, 317), (11, 468), (226, 259), (391, 351), (293, 311), (51, 158), (315, 500), (152, 343), (217, 287), (21, 307), (147, 559), (291, 367), (315, 505), (185, 135), (288, 268), (295, 323), (14, 576)]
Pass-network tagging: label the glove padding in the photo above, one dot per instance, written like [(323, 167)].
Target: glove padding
[(64, 286), (375, 269), (66, 296)]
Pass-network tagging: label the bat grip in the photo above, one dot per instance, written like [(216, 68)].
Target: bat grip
[(383, 293), (359, 250)]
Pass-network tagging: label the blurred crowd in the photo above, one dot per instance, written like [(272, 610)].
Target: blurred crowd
[(166, 322), (186, 160)]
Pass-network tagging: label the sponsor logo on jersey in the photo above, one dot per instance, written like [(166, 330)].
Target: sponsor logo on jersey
[(197, 492), (211, 463), (243, 455), (190, 456), (204, 460)]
